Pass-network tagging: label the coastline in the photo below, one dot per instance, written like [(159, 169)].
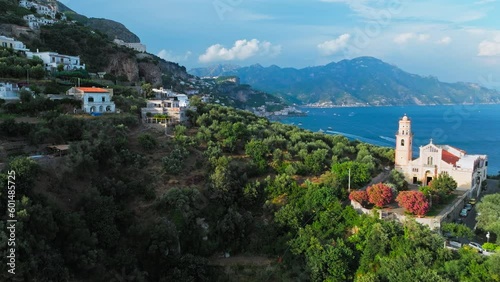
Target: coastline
[(332, 106)]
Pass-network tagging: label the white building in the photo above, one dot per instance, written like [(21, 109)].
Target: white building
[(8, 42), (467, 170), (95, 100), (50, 10), (136, 46), (9, 91), (170, 107), (53, 59)]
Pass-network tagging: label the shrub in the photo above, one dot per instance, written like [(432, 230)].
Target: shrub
[(360, 196), (147, 141), (490, 247), (414, 202), (379, 194)]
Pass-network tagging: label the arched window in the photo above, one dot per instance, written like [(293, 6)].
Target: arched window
[(402, 142), (429, 161)]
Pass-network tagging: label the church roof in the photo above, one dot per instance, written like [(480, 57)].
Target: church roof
[(449, 157)]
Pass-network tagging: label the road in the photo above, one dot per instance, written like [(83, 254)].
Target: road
[(470, 220)]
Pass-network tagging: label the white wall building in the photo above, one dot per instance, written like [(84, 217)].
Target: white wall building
[(467, 170), (53, 59), (95, 100), (9, 91), (8, 42), (136, 46)]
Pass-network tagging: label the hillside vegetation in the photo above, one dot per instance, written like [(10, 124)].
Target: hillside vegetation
[(128, 203)]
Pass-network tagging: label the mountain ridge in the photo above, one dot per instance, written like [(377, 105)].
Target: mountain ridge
[(359, 81)]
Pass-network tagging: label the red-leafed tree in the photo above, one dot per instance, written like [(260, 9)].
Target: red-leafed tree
[(379, 194), (359, 196), (414, 202)]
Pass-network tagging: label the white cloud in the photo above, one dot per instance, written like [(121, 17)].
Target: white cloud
[(482, 2), (445, 40), (404, 38), (169, 56), (489, 48), (241, 50), (334, 46)]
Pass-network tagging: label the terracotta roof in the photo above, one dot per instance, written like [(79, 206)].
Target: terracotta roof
[(449, 157), (92, 89)]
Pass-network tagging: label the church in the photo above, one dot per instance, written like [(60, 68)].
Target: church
[(469, 171)]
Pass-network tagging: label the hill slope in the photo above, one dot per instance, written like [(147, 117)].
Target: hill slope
[(362, 81)]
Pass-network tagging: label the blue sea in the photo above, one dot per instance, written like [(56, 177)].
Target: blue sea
[(473, 128)]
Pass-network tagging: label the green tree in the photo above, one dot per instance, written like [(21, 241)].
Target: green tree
[(397, 178), (489, 214), (360, 173), (443, 184), (257, 151)]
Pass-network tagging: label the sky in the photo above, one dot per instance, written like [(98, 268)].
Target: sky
[(454, 40)]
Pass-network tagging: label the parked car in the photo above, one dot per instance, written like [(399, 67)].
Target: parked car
[(459, 221), (463, 212), (476, 246), (468, 207), (472, 201), (455, 244)]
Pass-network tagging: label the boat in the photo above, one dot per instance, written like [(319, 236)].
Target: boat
[(300, 123), (321, 130), (330, 128)]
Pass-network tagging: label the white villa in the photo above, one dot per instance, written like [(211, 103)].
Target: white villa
[(136, 46), (95, 100), (8, 42), (9, 91), (167, 102), (469, 171), (49, 12), (53, 59)]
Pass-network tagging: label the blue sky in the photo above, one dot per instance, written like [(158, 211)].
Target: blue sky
[(455, 40)]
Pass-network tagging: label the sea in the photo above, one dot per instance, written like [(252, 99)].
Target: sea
[(473, 128)]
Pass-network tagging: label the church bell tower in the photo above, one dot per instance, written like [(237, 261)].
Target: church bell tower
[(404, 138)]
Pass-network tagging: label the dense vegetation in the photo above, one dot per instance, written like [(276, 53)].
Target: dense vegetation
[(132, 205)]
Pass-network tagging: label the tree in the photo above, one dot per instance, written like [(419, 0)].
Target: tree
[(379, 194), (489, 214), (414, 202), (257, 151), (398, 179), (25, 96), (457, 230), (443, 184), (360, 173), (360, 196), (147, 141)]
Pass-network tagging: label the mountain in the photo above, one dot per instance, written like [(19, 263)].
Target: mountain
[(359, 81), (214, 70), (111, 28)]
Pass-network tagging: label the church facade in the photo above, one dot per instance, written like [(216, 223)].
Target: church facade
[(469, 171)]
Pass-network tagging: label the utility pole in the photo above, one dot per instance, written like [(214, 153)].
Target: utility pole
[(349, 185)]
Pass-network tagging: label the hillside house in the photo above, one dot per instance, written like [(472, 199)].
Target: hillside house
[(52, 59), (49, 10), (139, 47), (8, 42), (94, 99), (168, 103), (9, 91)]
